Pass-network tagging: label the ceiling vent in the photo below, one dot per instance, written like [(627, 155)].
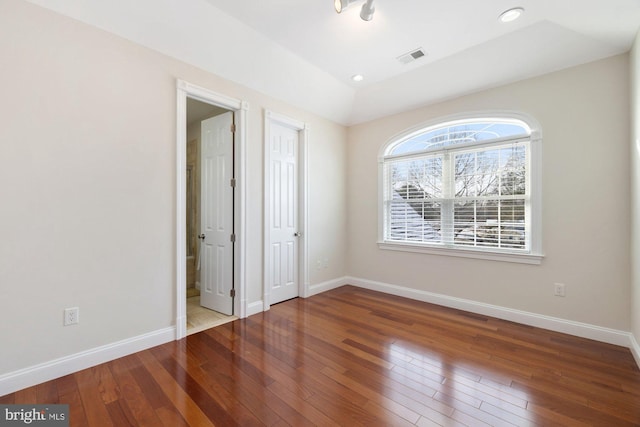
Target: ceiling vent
[(411, 56)]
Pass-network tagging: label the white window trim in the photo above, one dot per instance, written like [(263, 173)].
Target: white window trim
[(535, 254), (494, 255)]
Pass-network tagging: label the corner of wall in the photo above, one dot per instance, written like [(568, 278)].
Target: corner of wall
[(635, 197), (327, 286), (635, 349)]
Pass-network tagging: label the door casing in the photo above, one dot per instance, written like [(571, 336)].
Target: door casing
[(239, 107)]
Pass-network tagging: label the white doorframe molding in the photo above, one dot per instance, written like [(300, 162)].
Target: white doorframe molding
[(239, 107), (303, 247)]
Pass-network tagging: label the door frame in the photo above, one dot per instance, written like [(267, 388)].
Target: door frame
[(239, 107), (303, 246)]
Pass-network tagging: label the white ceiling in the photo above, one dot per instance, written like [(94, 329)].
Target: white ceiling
[(304, 53), (467, 47), (345, 45), (197, 111)]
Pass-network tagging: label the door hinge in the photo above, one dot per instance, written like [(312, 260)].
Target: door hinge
[(232, 293), (233, 182), (233, 237), (233, 128)]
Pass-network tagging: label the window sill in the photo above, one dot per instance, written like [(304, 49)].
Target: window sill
[(535, 259)]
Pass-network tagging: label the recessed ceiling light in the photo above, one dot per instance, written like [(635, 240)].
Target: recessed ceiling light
[(511, 14), (357, 77)]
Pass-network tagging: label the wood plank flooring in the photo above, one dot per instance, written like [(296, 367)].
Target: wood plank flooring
[(354, 357)]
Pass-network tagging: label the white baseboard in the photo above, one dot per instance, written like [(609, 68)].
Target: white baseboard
[(327, 286), (27, 377), (259, 306), (584, 330), (255, 308)]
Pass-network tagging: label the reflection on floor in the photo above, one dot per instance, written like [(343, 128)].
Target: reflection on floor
[(200, 318)]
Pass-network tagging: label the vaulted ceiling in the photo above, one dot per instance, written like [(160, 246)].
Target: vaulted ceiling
[(303, 52)]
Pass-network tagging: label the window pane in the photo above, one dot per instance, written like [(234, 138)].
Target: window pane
[(490, 223), (465, 175), (450, 134), (477, 173), (412, 215), (487, 173), (414, 221), (417, 179), (464, 224), (512, 175), (491, 172)]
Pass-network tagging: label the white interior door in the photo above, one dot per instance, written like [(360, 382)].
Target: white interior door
[(216, 219), (283, 215)]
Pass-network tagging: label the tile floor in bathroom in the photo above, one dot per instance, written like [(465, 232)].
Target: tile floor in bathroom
[(200, 318)]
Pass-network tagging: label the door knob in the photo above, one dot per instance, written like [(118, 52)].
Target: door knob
[(297, 234), (201, 236)]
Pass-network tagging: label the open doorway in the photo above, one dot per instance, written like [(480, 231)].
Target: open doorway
[(209, 215), (213, 238)]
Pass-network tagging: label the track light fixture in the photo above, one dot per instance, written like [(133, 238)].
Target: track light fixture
[(366, 13), (341, 5), (367, 10)]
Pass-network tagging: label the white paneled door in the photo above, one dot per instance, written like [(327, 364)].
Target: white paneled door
[(283, 213), (216, 219)]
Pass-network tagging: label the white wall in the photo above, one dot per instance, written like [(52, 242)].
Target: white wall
[(87, 185), (584, 114), (635, 195)]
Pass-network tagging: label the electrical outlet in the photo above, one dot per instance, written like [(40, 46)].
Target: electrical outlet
[(559, 289), (71, 316)]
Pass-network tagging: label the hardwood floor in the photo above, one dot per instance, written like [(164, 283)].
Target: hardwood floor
[(354, 357)]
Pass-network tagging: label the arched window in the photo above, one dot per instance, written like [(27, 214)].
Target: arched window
[(465, 187)]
